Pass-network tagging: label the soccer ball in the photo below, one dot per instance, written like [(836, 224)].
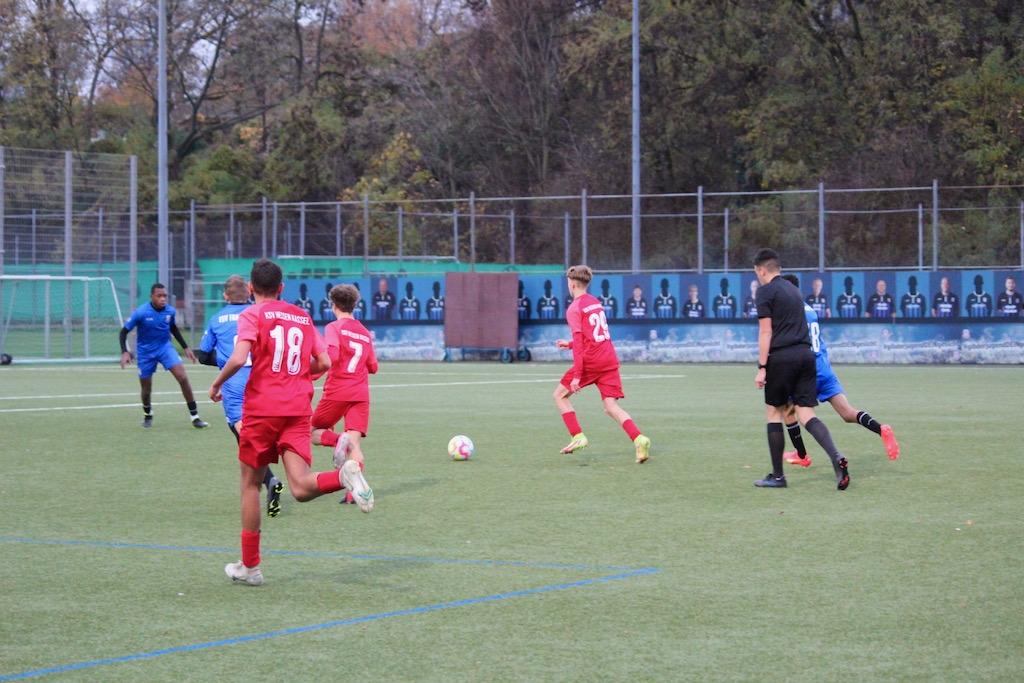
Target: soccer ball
[(460, 447)]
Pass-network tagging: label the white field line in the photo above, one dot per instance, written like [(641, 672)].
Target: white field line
[(200, 396)]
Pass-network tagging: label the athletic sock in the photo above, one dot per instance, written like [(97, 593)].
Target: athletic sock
[(250, 548), (571, 423), (267, 477), (193, 409), (797, 438), (821, 434), (329, 482), (329, 438), (631, 429), (776, 443), (147, 410), (869, 422)]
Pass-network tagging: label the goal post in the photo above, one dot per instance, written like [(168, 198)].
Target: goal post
[(50, 318)]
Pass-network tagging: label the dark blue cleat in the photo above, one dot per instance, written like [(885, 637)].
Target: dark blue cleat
[(772, 482)]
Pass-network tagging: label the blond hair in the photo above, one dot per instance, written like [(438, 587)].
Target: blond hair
[(581, 274), (236, 289)]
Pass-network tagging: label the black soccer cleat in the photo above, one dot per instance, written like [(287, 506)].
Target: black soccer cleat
[(198, 423), (771, 481), (842, 474), (147, 421), (274, 490)]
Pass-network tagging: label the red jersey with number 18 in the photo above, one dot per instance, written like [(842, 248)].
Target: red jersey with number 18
[(592, 347), (283, 340)]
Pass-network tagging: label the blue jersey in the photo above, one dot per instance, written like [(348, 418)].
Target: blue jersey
[(154, 329), (220, 336), (828, 383)]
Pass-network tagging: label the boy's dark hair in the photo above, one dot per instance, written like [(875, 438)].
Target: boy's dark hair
[(344, 297), (582, 274), (767, 258), (160, 286), (266, 277), (792, 279)]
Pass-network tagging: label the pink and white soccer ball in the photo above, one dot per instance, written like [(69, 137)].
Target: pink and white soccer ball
[(460, 447)]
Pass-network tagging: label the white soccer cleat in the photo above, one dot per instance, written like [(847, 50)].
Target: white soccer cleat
[(342, 449), (352, 479), (237, 571)]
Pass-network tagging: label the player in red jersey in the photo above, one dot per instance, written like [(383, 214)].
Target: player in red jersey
[(594, 361), (285, 348), (347, 390)]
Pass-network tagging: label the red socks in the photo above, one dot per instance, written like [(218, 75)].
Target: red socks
[(328, 482), (250, 548), (571, 423), (329, 438), (631, 429)]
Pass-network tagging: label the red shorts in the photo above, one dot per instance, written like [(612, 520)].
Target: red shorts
[(608, 382), (263, 439), (329, 412)]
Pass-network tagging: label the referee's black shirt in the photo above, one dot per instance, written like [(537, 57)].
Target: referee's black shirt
[(783, 303)]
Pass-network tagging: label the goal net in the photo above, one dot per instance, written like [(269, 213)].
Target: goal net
[(53, 318)]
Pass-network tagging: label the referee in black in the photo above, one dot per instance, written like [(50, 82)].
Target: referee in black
[(786, 367)]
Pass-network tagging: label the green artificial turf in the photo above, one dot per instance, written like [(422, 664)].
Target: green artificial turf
[(521, 564)]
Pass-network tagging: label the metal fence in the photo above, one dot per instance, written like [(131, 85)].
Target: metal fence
[(70, 213)]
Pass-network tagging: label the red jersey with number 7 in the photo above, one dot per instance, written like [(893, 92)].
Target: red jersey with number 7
[(283, 340), (592, 347), (353, 360)]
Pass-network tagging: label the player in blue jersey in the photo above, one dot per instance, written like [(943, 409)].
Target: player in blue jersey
[(979, 302), (818, 300), (665, 303), (693, 307), (409, 307), (636, 307), (155, 324), (750, 303), (913, 304), (946, 304), (547, 305), (1010, 303), (829, 389), (216, 346), (880, 304), (848, 303), (724, 304), (435, 304)]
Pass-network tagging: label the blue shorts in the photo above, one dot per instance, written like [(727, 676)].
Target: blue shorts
[(231, 400), (166, 356), (828, 383)]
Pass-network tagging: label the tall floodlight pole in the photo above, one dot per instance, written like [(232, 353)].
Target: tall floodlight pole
[(163, 267), (636, 137)]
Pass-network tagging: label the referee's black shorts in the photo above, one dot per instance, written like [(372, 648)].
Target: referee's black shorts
[(791, 375)]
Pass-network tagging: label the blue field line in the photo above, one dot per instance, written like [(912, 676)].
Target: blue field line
[(623, 573)]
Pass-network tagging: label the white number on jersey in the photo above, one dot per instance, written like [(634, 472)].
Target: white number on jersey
[(815, 331), (599, 322), (357, 353), (294, 343)]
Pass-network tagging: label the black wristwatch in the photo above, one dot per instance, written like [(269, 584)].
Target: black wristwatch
[(762, 367)]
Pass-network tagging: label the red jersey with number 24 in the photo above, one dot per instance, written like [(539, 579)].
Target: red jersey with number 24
[(283, 340), (592, 348)]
